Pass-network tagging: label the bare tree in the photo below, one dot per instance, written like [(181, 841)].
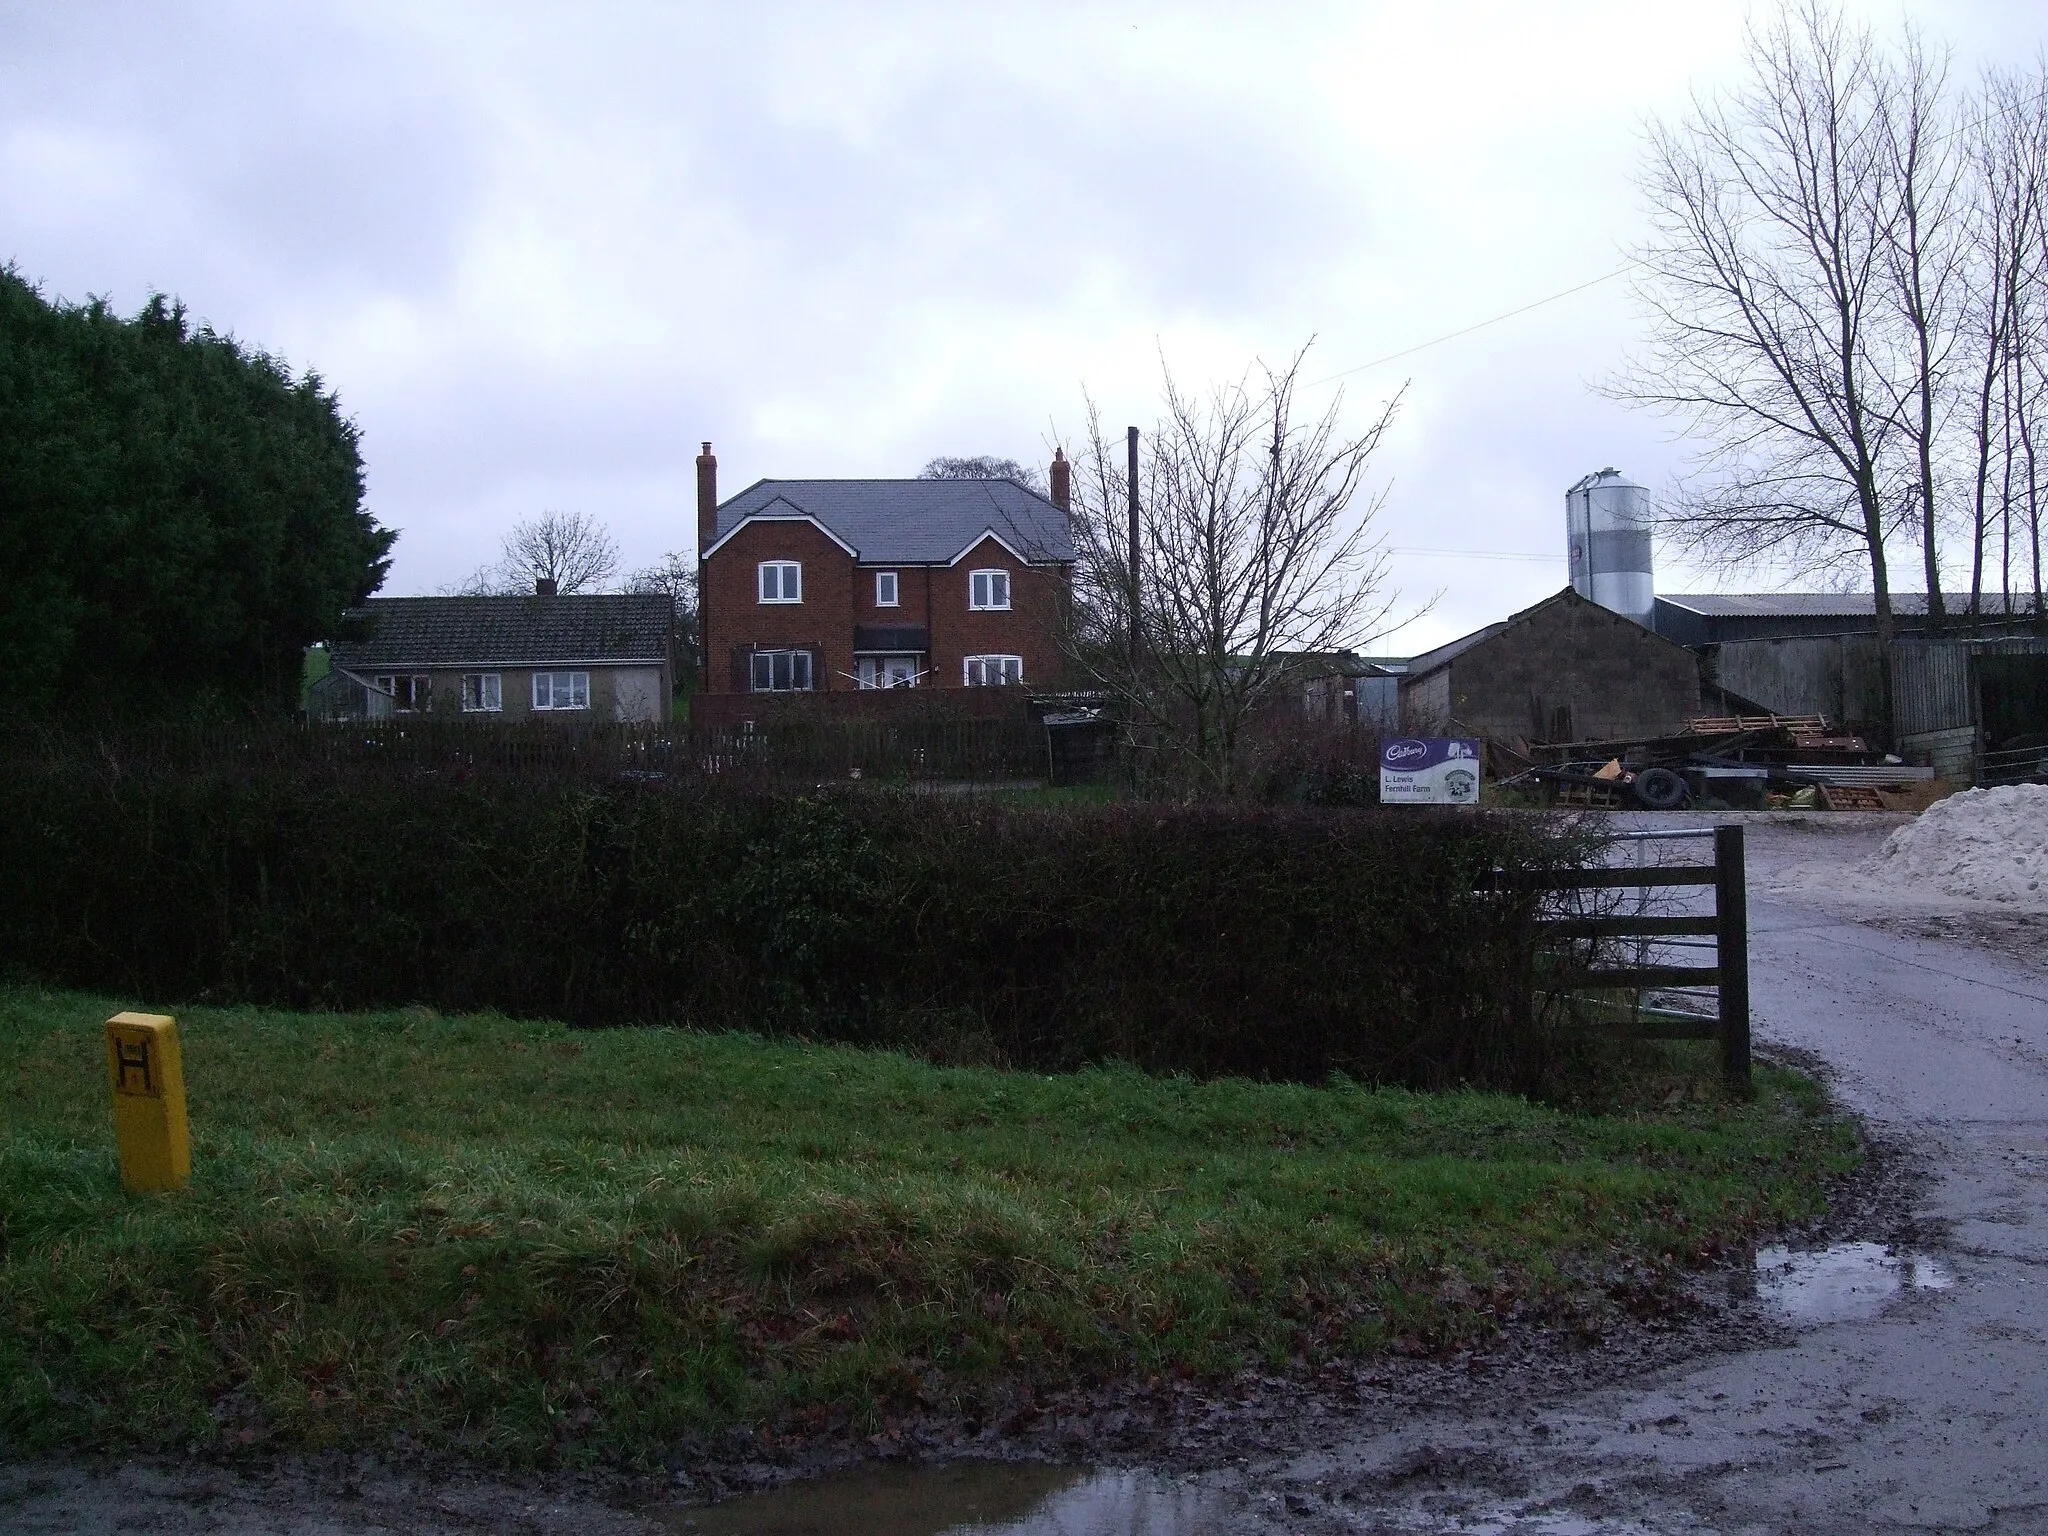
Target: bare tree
[(2003, 325), (1766, 281), (674, 576), (1923, 220), (1252, 558), (983, 467), (570, 549)]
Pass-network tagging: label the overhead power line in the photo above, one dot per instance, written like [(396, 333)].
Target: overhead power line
[(1473, 554), (1468, 330), (1608, 277)]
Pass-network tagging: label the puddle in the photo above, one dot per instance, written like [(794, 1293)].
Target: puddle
[(1842, 1283), (968, 1499)]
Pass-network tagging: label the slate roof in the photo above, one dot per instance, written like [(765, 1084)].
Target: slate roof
[(912, 522), (1429, 661), (606, 628)]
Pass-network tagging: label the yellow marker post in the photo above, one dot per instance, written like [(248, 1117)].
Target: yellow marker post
[(149, 1100)]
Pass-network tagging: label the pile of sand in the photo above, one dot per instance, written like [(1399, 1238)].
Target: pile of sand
[(1983, 844)]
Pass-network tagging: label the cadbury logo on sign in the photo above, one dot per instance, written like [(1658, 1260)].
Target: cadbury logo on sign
[(1405, 751)]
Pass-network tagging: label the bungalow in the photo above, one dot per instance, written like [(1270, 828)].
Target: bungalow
[(574, 659)]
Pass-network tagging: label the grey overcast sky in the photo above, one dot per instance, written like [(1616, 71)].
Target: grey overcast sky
[(543, 251)]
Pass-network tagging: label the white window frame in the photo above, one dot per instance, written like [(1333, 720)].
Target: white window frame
[(887, 594), (418, 691), (483, 693), (787, 585), (1009, 671), (997, 591), (886, 671), (757, 659), (554, 691)]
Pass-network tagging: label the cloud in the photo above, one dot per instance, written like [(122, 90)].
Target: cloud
[(542, 251)]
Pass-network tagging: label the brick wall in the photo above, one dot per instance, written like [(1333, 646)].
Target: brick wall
[(838, 594), (1029, 628), (737, 621)]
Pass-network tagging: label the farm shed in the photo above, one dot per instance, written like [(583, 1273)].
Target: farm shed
[(1565, 670), (1967, 706), (1840, 676)]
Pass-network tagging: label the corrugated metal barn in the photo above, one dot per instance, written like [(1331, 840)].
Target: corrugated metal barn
[(1965, 706)]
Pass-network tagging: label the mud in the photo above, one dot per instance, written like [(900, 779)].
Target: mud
[(1886, 1369)]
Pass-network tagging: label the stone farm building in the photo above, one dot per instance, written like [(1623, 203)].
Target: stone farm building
[(1566, 669)]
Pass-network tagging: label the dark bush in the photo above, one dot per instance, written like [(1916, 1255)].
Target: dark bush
[(1315, 762), (1285, 942)]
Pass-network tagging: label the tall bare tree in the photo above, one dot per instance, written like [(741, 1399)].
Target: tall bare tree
[(1767, 283), (1922, 214), (1252, 558), (2003, 325)]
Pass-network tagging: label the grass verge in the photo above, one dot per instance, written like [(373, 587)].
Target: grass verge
[(532, 1243)]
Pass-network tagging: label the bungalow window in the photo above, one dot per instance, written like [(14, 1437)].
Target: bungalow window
[(988, 589), (482, 693), (781, 671), (994, 671), (782, 581), (561, 690), (408, 695), (885, 589)]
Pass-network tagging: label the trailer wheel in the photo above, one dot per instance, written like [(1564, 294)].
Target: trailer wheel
[(1659, 789)]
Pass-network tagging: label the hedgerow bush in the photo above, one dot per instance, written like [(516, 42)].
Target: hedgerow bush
[(1264, 941)]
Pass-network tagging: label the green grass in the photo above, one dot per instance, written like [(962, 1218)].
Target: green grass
[(531, 1243)]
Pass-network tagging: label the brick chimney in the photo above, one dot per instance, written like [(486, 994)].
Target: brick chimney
[(1062, 490), (707, 500), (543, 586)]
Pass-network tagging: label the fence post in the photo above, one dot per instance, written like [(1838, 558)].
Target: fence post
[(1731, 953)]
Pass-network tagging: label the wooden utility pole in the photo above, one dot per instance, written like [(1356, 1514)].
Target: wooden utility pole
[(1133, 546)]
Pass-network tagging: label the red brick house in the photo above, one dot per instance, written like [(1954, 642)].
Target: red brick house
[(812, 586)]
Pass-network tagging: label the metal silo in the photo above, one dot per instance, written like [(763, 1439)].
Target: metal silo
[(1607, 526)]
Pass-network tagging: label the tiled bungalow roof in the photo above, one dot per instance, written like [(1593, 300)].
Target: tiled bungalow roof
[(607, 628)]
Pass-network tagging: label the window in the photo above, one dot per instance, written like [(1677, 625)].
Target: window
[(994, 671), (886, 671), (885, 589), (781, 671), (988, 589), (561, 690), (782, 581), (409, 695), (482, 693)]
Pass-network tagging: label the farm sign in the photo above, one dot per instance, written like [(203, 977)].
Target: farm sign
[(1429, 770)]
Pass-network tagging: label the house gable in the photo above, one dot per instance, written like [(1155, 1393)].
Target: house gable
[(780, 510), (1564, 669)]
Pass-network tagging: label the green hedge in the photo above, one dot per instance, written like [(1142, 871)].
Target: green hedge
[(1283, 943)]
